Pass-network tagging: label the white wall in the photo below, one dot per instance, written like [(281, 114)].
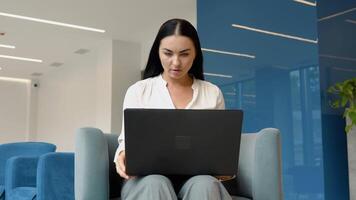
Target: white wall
[(104, 85), (66, 101), (14, 110), (32, 110), (145, 51), (85, 93), (118, 67), (126, 70)]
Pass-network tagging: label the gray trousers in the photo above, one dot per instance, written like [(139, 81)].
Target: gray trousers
[(158, 187)]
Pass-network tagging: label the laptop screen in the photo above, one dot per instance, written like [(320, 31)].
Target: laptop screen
[(182, 142)]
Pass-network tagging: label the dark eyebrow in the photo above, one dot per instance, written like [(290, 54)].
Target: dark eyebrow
[(167, 50), (182, 51)]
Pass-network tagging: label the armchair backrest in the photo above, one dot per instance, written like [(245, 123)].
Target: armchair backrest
[(9, 150), (55, 176)]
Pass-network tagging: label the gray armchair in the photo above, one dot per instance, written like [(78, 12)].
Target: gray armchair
[(259, 175)]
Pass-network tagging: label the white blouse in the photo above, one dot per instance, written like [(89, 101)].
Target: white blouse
[(153, 93)]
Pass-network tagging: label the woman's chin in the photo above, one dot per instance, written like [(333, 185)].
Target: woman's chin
[(176, 75)]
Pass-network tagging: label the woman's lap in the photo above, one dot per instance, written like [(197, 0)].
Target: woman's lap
[(161, 187)]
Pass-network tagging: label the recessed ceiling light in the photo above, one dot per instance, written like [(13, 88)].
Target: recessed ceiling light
[(336, 14), (36, 74), (81, 51), (20, 58), (56, 64), (7, 46), (218, 75), (14, 79), (275, 33), (229, 53), (306, 2), (51, 22)]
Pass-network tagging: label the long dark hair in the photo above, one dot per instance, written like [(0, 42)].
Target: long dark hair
[(171, 27)]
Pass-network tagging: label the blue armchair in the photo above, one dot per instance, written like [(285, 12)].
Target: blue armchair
[(10, 150), (50, 176), (259, 173), (55, 176)]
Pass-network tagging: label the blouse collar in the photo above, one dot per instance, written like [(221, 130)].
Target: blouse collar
[(164, 82)]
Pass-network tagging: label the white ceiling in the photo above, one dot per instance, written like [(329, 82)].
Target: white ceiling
[(130, 20)]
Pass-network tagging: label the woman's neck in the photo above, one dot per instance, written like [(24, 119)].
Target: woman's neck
[(186, 81)]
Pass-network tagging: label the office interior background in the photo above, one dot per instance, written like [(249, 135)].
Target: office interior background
[(273, 59)]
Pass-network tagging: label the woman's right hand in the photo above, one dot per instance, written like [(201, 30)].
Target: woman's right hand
[(120, 165)]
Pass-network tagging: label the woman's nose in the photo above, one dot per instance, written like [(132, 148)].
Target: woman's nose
[(176, 60)]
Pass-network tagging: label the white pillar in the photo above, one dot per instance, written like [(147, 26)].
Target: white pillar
[(118, 67)]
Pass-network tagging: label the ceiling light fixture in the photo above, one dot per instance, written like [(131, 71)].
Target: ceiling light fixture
[(229, 53), (7, 46), (230, 93), (337, 57), (306, 2), (344, 69), (0, 68), (275, 33), (2, 78), (20, 58), (218, 75), (51, 22), (336, 14), (350, 21)]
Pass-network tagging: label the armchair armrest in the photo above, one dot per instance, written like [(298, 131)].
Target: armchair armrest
[(21, 175), (91, 165), (55, 176), (268, 162), (259, 173)]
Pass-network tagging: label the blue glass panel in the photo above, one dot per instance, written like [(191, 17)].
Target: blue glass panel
[(277, 84), (337, 58)]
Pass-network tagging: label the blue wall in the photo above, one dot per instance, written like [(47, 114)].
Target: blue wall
[(281, 84), (337, 57)]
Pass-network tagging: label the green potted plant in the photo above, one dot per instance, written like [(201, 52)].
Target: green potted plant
[(346, 98), (346, 92)]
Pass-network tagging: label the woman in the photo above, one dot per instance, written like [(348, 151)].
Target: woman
[(173, 79)]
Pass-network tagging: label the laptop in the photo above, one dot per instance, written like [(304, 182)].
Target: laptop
[(182, 142)]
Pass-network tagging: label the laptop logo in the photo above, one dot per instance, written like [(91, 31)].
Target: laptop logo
[(183, 142)]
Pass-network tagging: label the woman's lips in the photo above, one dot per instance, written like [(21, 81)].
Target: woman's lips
[(175, 71)]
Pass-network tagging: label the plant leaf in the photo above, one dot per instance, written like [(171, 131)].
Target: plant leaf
[(346, 97), (335, 104), (343, 101), (352, 115), (348, 128), (332, 89)]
